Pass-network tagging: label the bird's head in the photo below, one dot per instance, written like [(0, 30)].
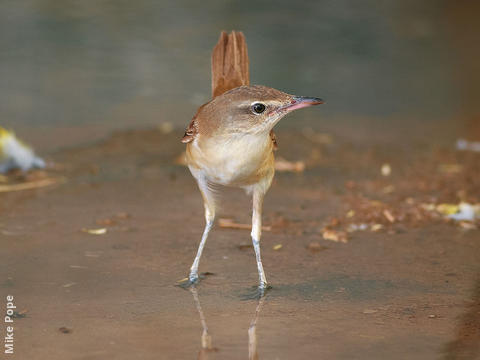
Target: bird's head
[(252, 109)]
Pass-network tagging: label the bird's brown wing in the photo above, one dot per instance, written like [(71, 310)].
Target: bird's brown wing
[(190, 132), (192, 129)]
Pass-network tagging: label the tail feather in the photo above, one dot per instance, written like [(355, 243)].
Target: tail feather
[(229, 63)]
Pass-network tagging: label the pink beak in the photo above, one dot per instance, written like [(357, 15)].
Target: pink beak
[(299, 102)]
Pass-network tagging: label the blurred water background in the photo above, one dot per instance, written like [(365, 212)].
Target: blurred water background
[(73, 71)]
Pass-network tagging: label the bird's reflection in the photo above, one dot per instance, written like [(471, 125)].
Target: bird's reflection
[(206, 338)]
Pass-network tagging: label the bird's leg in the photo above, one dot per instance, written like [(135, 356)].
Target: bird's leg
[(209, 204), (256, 234)]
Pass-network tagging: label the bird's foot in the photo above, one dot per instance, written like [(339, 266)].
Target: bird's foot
[(192, 280), (256, 292), (262, 289), (188, 282)]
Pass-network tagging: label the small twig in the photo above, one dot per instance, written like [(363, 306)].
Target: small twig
[(32, 184), (229, 223)]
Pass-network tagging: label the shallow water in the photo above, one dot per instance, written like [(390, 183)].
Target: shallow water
[(411, 293)]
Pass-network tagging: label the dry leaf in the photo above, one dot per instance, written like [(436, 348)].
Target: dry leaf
[(99, 231), (284, 165), (389, 215), (450, 168), (105, 222), (229, 223), (388, 189), (350, 213), (277, 247), (467, 225), (337, 236), (122, 215), (31, 184), (244, 246), (447, 209), (65, 330), (386, 170), (316, 247)]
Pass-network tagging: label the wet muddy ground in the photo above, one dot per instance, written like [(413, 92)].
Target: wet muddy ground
[(408, 289)]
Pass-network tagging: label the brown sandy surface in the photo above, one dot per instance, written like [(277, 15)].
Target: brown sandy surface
[(409, 290)]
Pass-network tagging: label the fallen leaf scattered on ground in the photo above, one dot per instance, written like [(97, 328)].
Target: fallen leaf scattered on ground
[(231, 224), (316, 247), (447, 209), (466, 145), (466, 225), (65, 330), (386, 169), (244, 246), (284, 165), (32, 184), (19, 314), (93, 253), (277, 247), (389, 215), (450, 168), (357, 227), (207, 273), (334, 235), (99, 231), (105, 222), (388, 189), (122, 215)]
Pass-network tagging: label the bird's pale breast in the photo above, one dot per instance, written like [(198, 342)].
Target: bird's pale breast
[(236, 160)]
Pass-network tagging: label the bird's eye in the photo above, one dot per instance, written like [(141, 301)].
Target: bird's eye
[(258, 108)]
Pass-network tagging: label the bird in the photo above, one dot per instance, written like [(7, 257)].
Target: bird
[(230, 140)]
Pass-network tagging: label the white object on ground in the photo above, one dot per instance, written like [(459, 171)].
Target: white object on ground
[(466, 145), (466, 212), (16, 155)]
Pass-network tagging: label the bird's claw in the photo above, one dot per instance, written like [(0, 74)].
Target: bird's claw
[(187, 283), (262, 289)]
